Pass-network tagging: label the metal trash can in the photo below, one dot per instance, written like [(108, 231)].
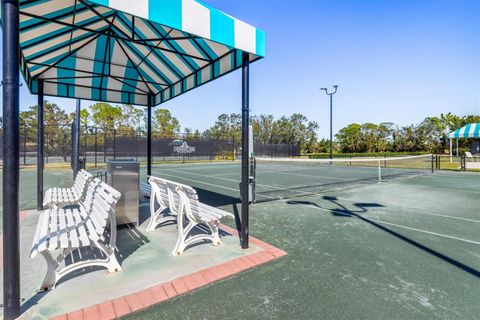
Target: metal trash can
[(124, 176)]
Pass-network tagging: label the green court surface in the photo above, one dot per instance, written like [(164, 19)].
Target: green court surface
[(406, 249), (402, 249)]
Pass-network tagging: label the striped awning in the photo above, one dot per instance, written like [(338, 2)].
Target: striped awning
[(471, 130), (124, 51)]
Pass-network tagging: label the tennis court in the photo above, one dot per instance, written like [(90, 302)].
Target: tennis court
[(286, 178), (408, 246)]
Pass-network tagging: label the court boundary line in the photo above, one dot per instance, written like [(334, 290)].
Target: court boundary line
[(227, 179), (420, 211), (202, 182), (398, 225)]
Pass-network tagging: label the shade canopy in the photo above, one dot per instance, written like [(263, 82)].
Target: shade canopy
[(124, 51), (471, 130)]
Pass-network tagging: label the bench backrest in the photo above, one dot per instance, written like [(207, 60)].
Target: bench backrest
[(81, 180), (99, 203), (186, 195), (159, 190), (176, 192)]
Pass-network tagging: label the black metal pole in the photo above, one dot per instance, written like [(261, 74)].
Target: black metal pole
[(245, 148), (11, 159), (335, 87), (149, 135), (331, 123), (76, 140), (40, 145)]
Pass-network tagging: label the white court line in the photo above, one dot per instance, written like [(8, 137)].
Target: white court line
[(447, 189), (258, 184), (208, 176), (303, 175), (419, 211), (402, 226), (398, 181), (198, 181), (269, 171), (208, 166)]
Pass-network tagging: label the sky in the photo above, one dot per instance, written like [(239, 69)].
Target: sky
[(393, 60)]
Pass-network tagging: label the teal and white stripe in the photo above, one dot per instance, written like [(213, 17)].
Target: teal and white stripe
[(123, 50), (471, 130)]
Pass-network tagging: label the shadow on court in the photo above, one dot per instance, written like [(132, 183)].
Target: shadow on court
[(216, 199), (342, 211)]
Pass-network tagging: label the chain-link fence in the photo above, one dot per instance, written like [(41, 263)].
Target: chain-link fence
[(97, 145)]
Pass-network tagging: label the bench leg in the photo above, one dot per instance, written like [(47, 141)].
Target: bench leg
[(183, 240), (156, 217), (213, 226), (111, 263), (183, 232), (52, 276)]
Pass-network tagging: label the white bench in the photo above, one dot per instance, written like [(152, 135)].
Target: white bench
[(60, 197), (179, 202), (67, 230)]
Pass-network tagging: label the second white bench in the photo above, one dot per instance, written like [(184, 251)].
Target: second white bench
[(179, 202)]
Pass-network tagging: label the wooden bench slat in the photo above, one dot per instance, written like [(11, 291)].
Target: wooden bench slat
[(72, 229), (80, 225), (40, 239), (53, 232), (64, 236)]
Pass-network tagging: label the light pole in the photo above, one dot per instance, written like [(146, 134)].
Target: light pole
[(335, 87)]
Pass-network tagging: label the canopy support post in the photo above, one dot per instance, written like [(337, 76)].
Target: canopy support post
[(76, 140), (456, 146), (149, 135), (40, 146), (451, 150), (11, 158), (245, 148)]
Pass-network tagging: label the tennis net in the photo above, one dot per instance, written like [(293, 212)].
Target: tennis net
[(285, 178)]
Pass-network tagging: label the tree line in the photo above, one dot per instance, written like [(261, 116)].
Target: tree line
[(430, 135)]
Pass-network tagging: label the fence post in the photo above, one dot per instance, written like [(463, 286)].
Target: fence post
[(114, 144), (46, 149), (210, 149), (271, 147), (25, 145), (105, 146), (86, 145), (95, 147)]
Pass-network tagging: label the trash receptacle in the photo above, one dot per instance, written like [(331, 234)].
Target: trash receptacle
[(124, 176)]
